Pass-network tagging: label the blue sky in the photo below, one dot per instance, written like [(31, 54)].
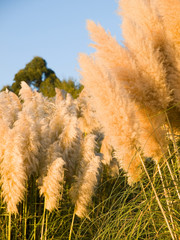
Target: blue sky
[(52, 29)]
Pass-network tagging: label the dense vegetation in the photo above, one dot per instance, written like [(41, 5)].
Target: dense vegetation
[(38, 76), (106, 164)]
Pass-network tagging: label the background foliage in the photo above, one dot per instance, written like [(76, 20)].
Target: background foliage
[(38, 76)]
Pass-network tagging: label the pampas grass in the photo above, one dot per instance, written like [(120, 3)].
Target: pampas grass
[(117, 117), (52, 187), (144, 46), (13, 174), (106, 165), (140, 80), (9, 107), (148, 89), (86, 178), (124, 70), (86, 117)]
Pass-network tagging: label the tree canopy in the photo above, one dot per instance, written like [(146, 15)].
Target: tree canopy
[(38, 76)]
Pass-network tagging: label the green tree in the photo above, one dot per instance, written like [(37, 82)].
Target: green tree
[(6, 87), (33, 74), (47, 87), (38, 76), (70, 87)]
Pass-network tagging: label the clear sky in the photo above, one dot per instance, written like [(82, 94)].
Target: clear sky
[(52, 29)]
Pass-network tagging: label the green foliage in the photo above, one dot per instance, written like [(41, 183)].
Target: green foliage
[(47, 87), (119, 211), (38, 76), (70, 87), (32, 74), (6, 87)]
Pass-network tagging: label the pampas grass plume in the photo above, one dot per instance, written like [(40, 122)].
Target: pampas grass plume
[(52, 188), (82, 189), (115, 111), (13, 174)]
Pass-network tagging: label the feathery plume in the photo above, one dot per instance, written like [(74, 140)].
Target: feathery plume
[(52, 187), (121, 65), (150, 93), (29, 145), (107, 47), (106, 150), (9, 107), (26, 92), (115, 111), (70, 142), (86, 180), (86, 116), (13, 174), (4, 129), (145, 41), (60, 95), (168, 13), (37, 110)]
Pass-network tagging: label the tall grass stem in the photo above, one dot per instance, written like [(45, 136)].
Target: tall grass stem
[(72, 224), (9, 227), (157, 198)]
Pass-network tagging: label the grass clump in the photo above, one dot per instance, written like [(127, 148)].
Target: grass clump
[(106, 165)]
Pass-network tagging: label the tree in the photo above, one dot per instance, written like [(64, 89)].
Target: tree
[(6, 87), (38, 76), (70, 87), (33, 74)]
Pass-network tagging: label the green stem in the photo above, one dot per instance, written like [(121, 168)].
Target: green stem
[(46, 226), (149, 207), (174, 141), (44, 214), (166, 196), (35, 208), (9, 227), (25, 215), (72, 223), (157, 198), (174, 181)]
